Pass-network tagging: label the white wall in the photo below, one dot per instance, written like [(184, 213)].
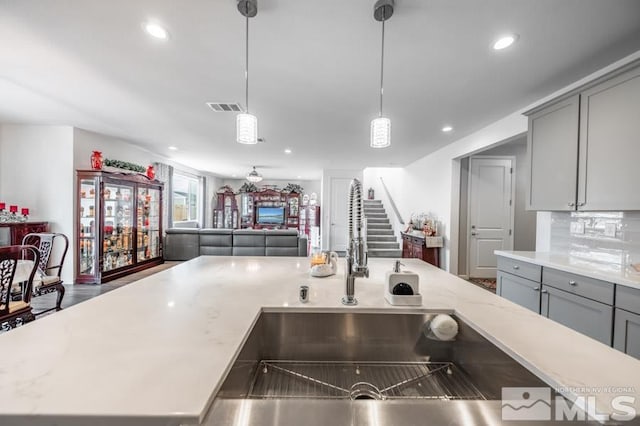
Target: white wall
[(36, 171)]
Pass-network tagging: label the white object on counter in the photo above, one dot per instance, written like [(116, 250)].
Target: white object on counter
[(404, 281)]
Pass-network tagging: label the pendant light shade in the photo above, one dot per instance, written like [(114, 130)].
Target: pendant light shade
[(380, 132), (246, 129), (254, 176), (246, 123), (381, 126)]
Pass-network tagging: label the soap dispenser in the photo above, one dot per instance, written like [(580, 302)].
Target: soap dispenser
[(402, 287)]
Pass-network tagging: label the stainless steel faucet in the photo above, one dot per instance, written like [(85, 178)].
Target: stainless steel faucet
[(357, 251)]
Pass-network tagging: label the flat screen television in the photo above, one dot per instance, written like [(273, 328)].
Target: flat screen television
[(270, 216)]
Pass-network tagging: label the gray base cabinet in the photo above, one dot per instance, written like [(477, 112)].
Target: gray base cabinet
[(586, 316), (627, 333), (519, 290)]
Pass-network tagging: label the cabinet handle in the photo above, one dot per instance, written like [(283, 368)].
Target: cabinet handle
[(571, 204), (581, 204), (544, 291), (474, 234), (536, 289), (516, 267), (573, 283)]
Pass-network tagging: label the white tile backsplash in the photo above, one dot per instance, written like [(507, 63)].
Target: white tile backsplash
[(605, 237)]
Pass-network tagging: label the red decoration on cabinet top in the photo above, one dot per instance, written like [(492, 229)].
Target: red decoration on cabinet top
[(151, 173), (25, 211), (3, 206), (13, 209), (96, 160)]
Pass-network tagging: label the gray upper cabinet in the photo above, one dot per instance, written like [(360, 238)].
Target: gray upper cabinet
[(552, 145), (610, 144), (584, 149)]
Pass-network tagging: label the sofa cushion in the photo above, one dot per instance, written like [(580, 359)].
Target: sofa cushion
[(181, 244), (281, 238), (281, 251), (248, 238), (248, 251), (215, 237), (216, 251)]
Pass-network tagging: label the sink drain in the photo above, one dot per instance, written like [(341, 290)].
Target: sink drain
[(365, 390)]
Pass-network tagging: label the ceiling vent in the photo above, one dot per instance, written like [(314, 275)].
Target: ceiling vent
[(224, 107)]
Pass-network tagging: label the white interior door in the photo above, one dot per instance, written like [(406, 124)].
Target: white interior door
[(339, 190), (490, 213)]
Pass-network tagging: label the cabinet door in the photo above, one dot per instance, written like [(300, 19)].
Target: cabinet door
[(552, 148), (626, 334), (610, 144), (586, 316), (522, 291)]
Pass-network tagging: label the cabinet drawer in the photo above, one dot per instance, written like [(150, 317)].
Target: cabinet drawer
[(600, 291), (522, 269), (626, 333), (628, 298)]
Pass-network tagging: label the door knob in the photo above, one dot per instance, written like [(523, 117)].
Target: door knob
[(474, 233)]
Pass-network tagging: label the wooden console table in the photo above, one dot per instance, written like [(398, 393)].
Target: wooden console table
[(18, 230), (418, 247)]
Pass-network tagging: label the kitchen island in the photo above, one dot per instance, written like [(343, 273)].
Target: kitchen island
[(156, 351)]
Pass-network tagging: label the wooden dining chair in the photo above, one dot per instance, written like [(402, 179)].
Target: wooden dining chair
[(17, 269), (53, 248)]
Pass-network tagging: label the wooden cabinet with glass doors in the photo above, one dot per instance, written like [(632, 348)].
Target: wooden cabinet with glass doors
[(119, 225)]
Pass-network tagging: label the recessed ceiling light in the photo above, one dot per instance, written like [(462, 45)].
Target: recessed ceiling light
[(447, 129), (156, 30), (234, 175), (173, 148), (287, 151), (299, 177), (505, 41)]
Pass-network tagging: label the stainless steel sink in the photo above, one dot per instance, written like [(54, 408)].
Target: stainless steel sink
[(321, 368)]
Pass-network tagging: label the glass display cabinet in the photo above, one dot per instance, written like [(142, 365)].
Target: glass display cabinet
[(119, 225), (225, 213)]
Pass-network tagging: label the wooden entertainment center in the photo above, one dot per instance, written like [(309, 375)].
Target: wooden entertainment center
[(265, 209)]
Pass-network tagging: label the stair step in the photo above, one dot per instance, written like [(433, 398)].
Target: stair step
[(372, 201), (379, 226), (384, 253), (382, 245), (375, 215), (377, 220), (387, 238), (379, 232)]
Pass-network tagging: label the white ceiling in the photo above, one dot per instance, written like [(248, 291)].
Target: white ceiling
[(314, 72)]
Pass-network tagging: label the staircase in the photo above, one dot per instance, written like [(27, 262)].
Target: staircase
[(381, 241)]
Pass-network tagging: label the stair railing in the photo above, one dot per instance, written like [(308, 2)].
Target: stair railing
[(393, 204)]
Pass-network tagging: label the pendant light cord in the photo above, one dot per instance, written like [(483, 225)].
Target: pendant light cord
[(382, 66), (246, 62)]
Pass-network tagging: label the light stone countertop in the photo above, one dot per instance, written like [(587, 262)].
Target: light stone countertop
[(156, 351), (601, 271)]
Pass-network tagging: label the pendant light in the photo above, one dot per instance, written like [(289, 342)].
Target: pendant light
[(254, 176), (246, 123), (381, 126)]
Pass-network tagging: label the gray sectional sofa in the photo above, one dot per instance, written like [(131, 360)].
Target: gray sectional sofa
[(187, 243)]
